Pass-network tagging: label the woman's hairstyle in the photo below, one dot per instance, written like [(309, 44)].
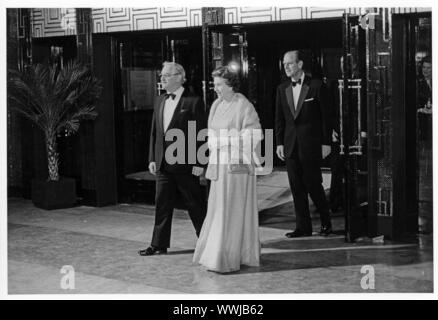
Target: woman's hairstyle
[(179, 69), (426, 59), (231, 77)]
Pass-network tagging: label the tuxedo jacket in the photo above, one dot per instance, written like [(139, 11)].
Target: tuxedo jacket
[(190, 108), (424, 93), (309, 124)]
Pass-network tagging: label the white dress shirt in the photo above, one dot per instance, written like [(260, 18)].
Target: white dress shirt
[(170, 106), (296, 91)]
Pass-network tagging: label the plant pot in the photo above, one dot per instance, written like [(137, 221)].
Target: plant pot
[(54, 194)]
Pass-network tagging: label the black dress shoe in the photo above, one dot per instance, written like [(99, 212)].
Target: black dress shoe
[(152, 250), (298, 233), (326, 230)]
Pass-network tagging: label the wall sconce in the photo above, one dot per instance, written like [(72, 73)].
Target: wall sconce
[(234, 66)]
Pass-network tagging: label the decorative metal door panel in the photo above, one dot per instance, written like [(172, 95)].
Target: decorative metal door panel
[(352, 135), (227, 47), (368, 124)]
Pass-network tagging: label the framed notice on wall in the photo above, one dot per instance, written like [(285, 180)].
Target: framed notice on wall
[(141, 87)]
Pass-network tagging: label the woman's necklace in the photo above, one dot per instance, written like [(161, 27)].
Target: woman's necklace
[(225, 105)]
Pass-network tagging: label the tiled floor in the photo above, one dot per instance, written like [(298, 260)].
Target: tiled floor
[(101, 245)]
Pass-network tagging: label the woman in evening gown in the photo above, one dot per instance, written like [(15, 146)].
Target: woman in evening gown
[(230, 235)]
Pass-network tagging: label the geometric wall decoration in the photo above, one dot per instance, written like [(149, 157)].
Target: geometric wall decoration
[(268, 14), (50, 22), (133, 19), (410, 10)]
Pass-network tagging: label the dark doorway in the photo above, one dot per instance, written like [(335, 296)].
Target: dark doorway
[(414, 90), (423, 63), (257, 51), (321, 41)]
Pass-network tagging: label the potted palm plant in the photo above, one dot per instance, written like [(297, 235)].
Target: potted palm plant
[(56, 100)]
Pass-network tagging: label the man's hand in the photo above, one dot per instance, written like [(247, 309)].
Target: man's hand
[(326, 151), (335, 136), (197, 171), (152, 168), (425, 110), (280, 152)]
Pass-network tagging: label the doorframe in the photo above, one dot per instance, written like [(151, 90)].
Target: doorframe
[(405, 191)]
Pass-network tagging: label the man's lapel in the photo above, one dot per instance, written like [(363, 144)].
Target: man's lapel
[(303, 95), (290, 98), (179, 107), (161, 102)]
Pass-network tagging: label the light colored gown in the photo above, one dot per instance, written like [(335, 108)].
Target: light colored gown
[(230, 234)]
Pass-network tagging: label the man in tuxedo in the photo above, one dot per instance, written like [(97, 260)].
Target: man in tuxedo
[(424, 139), (424, 99), (303, 133), (175, 110)]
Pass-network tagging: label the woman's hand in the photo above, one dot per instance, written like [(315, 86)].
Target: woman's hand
[(425, 110), (197, 171)]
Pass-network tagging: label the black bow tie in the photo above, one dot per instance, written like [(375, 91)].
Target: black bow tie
[(294, 83), (167, 95)]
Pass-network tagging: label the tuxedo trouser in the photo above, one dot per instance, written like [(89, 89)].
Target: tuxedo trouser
[(167, 186), (305, 179)]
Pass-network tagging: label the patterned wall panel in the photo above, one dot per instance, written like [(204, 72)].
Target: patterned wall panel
[(295, 13), (423, 9), (263, 14), (410, 10), (315, 13), (50, 22), (132, 19)]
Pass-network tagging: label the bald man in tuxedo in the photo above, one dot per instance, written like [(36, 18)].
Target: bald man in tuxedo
[(303, 134)]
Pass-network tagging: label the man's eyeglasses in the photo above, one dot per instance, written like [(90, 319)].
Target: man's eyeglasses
[(168, 75)]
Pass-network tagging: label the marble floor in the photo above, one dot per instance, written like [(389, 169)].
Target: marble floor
[(101, 245)]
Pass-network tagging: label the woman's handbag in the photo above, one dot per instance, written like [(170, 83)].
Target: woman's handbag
[(239, 168)]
